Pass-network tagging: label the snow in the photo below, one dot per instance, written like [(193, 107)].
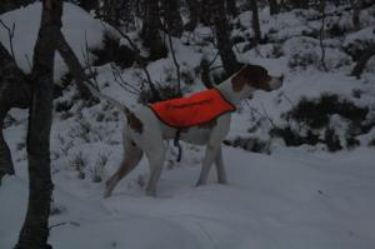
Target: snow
[(79, 28), (290, 198)]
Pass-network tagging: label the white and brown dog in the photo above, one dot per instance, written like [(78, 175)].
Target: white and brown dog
[(144, 132)]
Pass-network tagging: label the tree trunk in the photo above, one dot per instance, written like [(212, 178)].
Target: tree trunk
[(172, 17), (150, 31), (300, 4), (274, 7), (194, 13), (6, 164), (206, 12), (224, 42), (356, 5), (232, 7), (361, 64), (35, 231), (8, 5), (89, 5), (15, 92), (114, 11), (255, 22)]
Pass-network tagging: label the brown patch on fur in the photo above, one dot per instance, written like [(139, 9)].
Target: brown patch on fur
[(253, 75), (238, 82), (135, 123)]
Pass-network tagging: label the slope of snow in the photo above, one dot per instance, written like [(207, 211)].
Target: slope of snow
[(292, 199), (79, 28)]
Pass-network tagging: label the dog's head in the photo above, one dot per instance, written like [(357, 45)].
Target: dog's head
[(256, 77)]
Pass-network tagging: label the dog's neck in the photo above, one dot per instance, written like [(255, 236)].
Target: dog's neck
[(226, 89)]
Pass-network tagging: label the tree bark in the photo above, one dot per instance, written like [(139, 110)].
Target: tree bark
[(255, 22), (274, 7), (224, 42), (8, 5), (356, 5), (172, 17), (15, 92), (361, 64), (34, 233), (6, 164), (150, 31), (89, 5), (232, 7), (206, 12), (194, 14), (300, 4)]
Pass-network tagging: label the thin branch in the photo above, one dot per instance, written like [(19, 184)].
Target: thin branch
[(139, 59), (322, 34), (122, 82), (263, 115), (10, 36)]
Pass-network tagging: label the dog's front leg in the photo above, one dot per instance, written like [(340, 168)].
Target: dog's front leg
[(208, 160), (156, 161)]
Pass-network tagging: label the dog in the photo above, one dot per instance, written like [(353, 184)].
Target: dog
[(145, 133)]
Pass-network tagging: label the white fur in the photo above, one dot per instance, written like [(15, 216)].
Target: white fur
[(150, 141)]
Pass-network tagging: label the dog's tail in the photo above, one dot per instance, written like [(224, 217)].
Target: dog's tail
[(110, 100)]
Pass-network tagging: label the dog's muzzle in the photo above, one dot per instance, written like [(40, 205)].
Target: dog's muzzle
[(276, 82)]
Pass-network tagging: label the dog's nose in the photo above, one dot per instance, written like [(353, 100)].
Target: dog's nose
[(282, 78)]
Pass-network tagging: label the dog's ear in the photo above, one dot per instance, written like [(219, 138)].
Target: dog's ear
[(257, 77), (240, 79)]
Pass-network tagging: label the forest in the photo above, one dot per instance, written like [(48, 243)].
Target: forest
[(79, 82)]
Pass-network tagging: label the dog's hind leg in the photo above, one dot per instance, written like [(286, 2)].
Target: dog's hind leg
[(220, 169), (133, 155)]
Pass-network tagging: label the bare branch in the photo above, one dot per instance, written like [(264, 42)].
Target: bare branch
[(10, 36), (122, 82), (139, 59), (322, 35), (73, 64)]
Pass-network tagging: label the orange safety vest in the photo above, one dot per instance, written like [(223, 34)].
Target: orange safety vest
[(196, 109)]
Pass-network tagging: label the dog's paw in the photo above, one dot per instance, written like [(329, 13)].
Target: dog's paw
[(200, 183), (107, 194)]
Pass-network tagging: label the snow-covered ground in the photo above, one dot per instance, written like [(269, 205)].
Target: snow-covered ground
[(292, 199), (299, 198)]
